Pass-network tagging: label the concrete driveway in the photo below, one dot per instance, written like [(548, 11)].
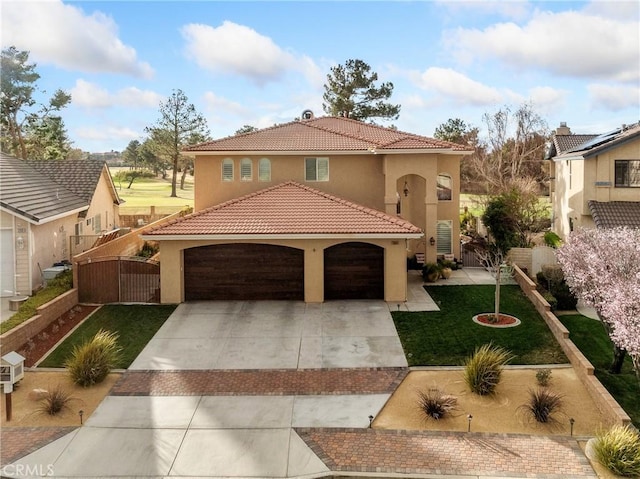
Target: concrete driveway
[(274, 335), (191, 434)]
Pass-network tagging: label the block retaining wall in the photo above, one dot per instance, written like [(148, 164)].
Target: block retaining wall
[(46, 314), (607, 405)]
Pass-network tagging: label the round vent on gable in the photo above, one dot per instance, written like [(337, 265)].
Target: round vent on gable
[(307, 115)]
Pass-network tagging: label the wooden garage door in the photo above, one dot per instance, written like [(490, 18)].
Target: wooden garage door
[(243, 272), (354, 271)]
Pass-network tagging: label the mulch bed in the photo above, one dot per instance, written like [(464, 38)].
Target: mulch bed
[(489, 319), (34, 349)]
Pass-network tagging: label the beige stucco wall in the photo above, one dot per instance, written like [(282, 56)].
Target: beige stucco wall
[(373, 180), (102, 204), (591, 179), (172, 267), (49, 244)]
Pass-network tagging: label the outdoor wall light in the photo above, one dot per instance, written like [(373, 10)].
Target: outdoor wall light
[(432, 241), (406, 189)]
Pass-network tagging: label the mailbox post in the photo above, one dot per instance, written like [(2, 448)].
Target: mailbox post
[(11, 371)]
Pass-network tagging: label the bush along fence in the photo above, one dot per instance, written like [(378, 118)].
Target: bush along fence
[(607, 405)]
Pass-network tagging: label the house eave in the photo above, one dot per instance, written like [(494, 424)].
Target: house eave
[(34, 220), (307, 236), (568, 158), (372, 151)]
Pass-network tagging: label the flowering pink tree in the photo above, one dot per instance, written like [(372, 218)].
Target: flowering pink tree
[(602, 267)]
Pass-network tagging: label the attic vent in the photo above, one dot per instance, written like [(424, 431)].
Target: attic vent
[(307, 115)]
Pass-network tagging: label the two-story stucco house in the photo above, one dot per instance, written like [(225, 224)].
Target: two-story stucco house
[(315, 209), (43, 203), (595, 179)]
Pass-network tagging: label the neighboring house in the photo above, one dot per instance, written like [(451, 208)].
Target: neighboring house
[(316, 209), (588, 171), (43, 205)]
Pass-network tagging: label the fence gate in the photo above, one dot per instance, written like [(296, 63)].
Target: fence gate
[(119, 280), (469, 259)]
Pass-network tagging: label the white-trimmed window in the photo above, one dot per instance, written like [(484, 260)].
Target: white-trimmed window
[(316, 169), (627, 173), (246, 169), (264, 169), (445, 190), (227, 169), (444, 242)]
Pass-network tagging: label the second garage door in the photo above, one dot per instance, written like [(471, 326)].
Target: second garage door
[(354, 271), (243, 272)]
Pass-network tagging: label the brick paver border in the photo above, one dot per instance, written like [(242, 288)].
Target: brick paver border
[(254, 382), (17, 442), (447, 453)]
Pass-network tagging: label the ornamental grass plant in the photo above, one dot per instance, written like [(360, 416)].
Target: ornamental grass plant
[(55, 401), (542, 405), (483, 370), (434, 404), (92, 361), (618, 449)]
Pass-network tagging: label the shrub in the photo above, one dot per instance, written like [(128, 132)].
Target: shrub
[(551, 299), (55, 401), (436, 405), (430, 272), (618, 449), (148, 250), (543, 376), (552, 240), (543, 403), (483, 370), (91, 362)]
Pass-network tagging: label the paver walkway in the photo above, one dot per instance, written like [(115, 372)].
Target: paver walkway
[(20, 441)]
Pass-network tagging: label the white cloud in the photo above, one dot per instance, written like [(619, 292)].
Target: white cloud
[(239, 50), (614, 97), (90, 95), (515, 9), (63, 35), (547, 99), (110, 133), (221, 106), (457, 87), (570, 43)]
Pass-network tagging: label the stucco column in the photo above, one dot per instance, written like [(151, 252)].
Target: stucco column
[(431, 219), (395, 271), (171, 273), (314, 274)]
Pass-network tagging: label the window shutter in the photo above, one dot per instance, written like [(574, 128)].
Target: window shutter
[(245, 169), (227, 170), (310, 169), (444, 237), (264, 169), (323, 169)]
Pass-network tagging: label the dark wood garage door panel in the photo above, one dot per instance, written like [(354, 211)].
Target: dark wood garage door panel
[(243, 272), (354, 271)]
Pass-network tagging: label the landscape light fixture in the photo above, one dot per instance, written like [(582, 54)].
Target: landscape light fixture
[(469, 418), (370, 420), (81, 412), (571, 422)]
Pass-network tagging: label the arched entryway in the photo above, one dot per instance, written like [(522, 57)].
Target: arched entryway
[(243, 272), (354, 271)]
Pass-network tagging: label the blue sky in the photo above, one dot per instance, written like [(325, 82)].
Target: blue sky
[(261, 63)]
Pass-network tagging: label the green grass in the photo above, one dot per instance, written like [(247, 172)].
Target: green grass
[(448, 336), (592, 340), (145, 192), (135, 325)]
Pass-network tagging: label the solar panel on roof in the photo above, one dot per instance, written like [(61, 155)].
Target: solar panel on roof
[(598, 140)]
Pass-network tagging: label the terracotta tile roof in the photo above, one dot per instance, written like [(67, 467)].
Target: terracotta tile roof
[(31, 194), (326, 134), (287, 209), (612, 214)]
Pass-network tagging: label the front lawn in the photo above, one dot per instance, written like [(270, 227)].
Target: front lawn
[(134, 324), (448, 336), (592, 340)]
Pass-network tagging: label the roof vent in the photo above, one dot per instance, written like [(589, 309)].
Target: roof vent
[(307, 115)]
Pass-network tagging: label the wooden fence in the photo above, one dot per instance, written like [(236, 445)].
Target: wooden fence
[(119, 280)]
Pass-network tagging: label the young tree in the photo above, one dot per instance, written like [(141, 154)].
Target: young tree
[(18, 84), (179, 124), (46, 138), (350, 91), (131, 154), (495, 259), (602, 267), (245, 129)]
